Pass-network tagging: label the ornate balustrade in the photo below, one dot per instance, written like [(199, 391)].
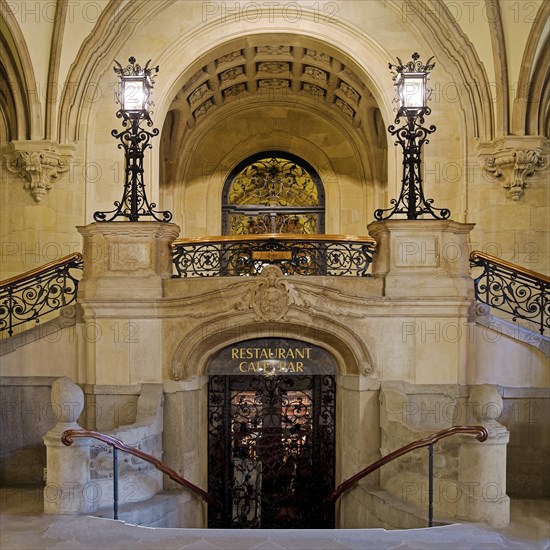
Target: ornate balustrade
[(33, 294), (511, 288), (236, 255)]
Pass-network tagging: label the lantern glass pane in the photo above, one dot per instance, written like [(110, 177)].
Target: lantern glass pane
[(412, 91), (134, 95)]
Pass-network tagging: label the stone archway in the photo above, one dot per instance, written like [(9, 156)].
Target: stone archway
[(271, 434)]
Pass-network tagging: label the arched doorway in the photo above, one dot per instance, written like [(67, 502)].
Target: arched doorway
[(271, 434), (273, 192)]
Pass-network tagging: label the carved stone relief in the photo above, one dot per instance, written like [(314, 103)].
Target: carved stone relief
[(273, 50), (268, 297), (40, 167), (349, 92), (232, 73), (229, 57), (318, 55), (199, 93), (514, 166), (316, 73), (276, 83), (204, 108), (344, 107), (235, 90), (313, 90), (273, 67)]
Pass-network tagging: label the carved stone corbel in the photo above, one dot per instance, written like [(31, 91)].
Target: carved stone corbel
[(514, 166), (40, 163)]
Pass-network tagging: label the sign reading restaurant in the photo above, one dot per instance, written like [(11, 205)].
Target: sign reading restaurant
[(272, 356)]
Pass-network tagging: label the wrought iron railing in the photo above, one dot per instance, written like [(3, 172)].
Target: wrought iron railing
[(511, 288), (31, 295), (235, 255), (68, 437), (479, 431)]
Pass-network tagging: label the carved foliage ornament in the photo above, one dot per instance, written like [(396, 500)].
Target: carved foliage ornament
[(514, 166), (39, 168)]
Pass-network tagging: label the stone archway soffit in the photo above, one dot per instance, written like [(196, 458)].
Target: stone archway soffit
[(530, 83), (361, 146), (110, 35), (21, 73)]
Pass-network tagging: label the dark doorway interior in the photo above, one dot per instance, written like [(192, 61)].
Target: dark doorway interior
[(271, 450)]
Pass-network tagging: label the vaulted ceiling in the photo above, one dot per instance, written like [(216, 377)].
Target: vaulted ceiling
[(260, 71)]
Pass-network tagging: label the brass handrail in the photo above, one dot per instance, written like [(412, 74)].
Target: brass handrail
[(294, 253), (481, 432), (75, 256), (68, 436), (477, 254), (274, 236)]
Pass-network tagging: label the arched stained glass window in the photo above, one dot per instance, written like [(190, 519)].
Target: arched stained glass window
[(273, 192)]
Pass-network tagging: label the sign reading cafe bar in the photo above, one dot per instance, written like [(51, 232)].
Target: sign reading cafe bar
[(272, 357)]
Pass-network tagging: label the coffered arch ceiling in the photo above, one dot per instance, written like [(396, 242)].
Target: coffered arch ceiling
[(268, 71)]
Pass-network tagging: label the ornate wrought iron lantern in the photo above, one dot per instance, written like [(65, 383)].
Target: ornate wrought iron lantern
[(412, 94), (134, 98)]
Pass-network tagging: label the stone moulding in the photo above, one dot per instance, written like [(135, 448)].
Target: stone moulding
[(39, 162), (514, 166)]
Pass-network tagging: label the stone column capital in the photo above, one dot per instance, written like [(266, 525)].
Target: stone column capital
[(512, 160), (40, 163)]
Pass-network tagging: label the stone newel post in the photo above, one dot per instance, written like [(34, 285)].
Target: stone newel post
[(125, 265), (482, 466), (67, 467)]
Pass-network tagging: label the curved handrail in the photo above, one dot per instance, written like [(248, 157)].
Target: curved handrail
[(68, 436), (295, 254), (31, 274), (38, 292), (481, 432), (274, 236), (512, 289), (478, 255)]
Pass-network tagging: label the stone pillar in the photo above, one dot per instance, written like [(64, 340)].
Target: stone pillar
[(67, 467), (482, 465), (126, 260), (125, 264), (422, 258)]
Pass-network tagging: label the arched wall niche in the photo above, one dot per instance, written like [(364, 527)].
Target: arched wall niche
[(195, 350), (275, 140), (205, 148), (362, 46)]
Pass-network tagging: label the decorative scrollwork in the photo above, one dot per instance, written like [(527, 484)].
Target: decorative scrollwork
[(296, 256), (38, 292), (412, 202), (273, 192), (516, 291)]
